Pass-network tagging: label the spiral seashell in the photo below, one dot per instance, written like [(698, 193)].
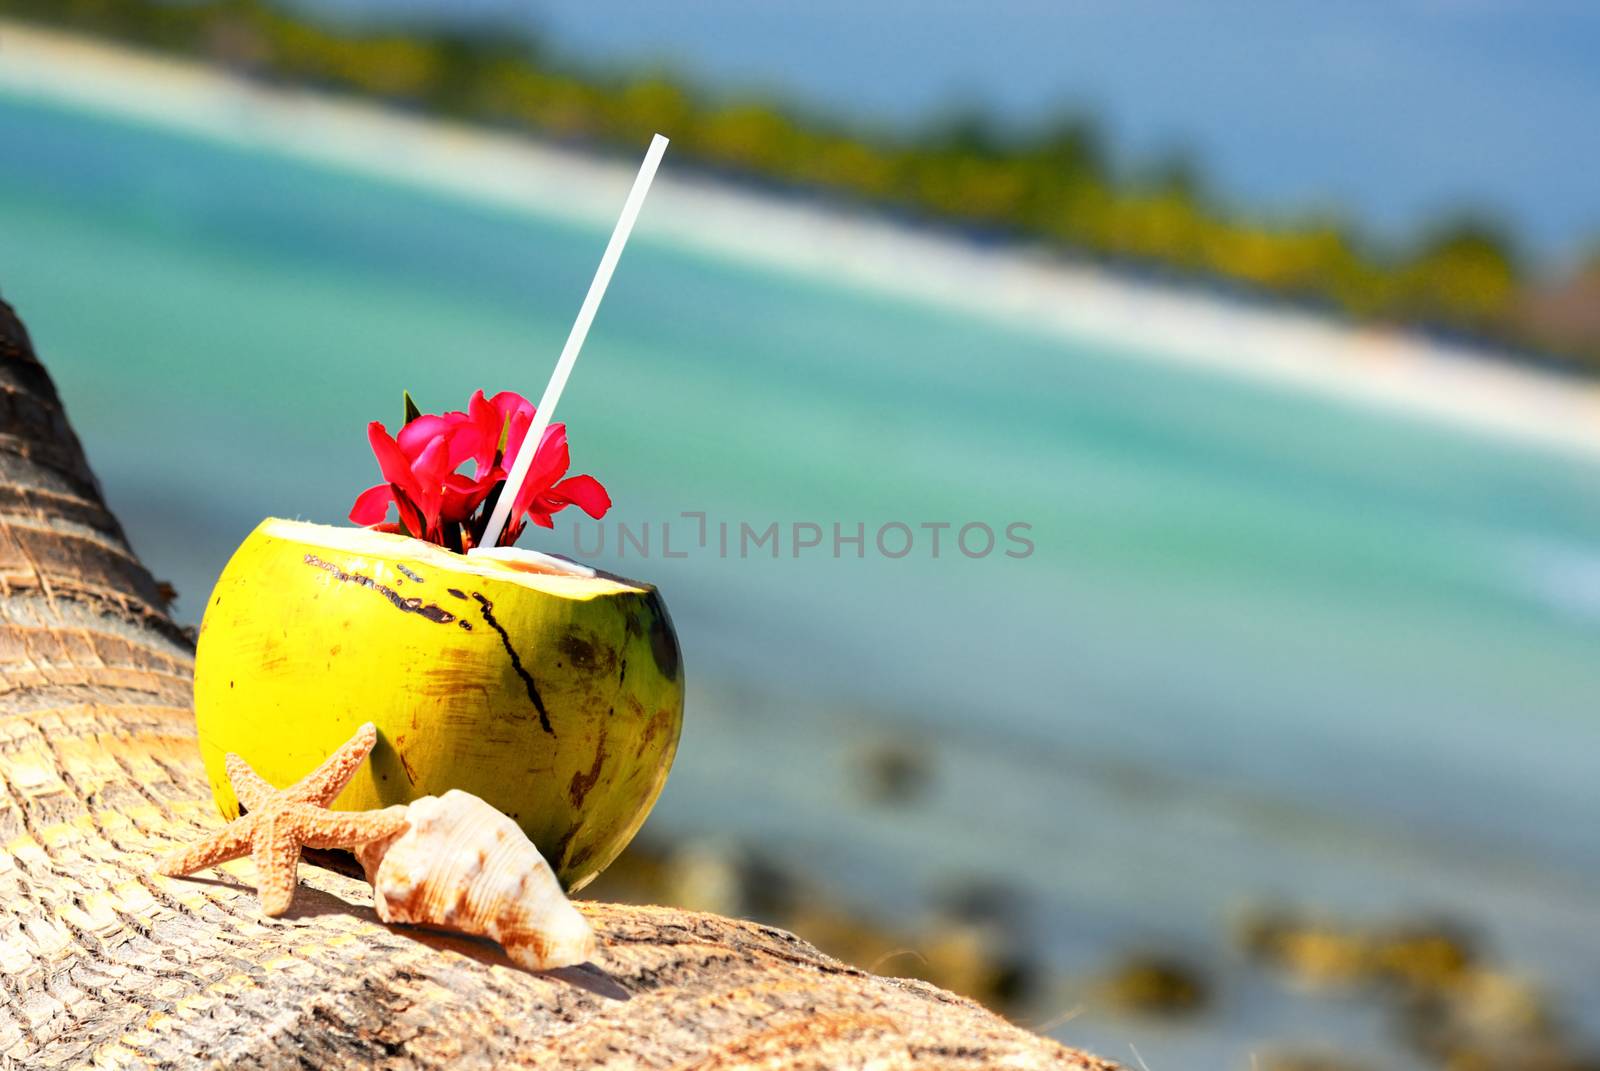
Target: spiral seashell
[(462, 865)]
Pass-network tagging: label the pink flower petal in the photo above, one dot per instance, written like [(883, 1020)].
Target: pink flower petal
[(392, 462), (372, 505), (462, 496), (421, 431), (551, 460), (508, 402), (585, 492), (487, 423), (550, 463), (430, 469), (459, 432), (410, 517), (516, 414)]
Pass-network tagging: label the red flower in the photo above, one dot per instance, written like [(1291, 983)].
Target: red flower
[(437, 503), (544, 492)]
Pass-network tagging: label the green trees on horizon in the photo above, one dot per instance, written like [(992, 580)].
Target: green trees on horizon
[(1053, 183)]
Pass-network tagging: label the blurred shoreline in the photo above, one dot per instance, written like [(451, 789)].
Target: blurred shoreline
[(1022, 287)]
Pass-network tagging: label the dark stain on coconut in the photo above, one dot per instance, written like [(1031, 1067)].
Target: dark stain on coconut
[(457, 592), (487, 608), (584, 654), (464, 623), (657, 723), (560, 854), (583, 782), (581, 856), (437, 614), (663, 643), (407, 573)]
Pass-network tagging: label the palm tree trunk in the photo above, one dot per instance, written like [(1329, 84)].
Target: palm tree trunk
[(103, 963)]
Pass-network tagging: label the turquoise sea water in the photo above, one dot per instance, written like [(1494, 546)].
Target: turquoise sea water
[(1267, 644)]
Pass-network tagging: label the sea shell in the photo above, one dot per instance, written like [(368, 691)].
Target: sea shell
[(462, 865)]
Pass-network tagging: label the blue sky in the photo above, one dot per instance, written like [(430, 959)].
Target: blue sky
[(1397, 112)]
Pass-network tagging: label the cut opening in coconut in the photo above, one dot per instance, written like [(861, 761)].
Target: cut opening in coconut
[(533, 561), (531, 568)]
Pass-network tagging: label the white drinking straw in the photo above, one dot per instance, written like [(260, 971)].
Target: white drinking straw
[(569, 352)]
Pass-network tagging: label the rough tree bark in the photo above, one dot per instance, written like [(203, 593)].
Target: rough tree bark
[(104, 964)]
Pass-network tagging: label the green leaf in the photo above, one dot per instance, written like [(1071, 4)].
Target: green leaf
[(412, 412)]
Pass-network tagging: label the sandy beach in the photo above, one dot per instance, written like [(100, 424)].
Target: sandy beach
[(1024, 288)]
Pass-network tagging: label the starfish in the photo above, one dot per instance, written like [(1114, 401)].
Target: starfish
[(279, 822)]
